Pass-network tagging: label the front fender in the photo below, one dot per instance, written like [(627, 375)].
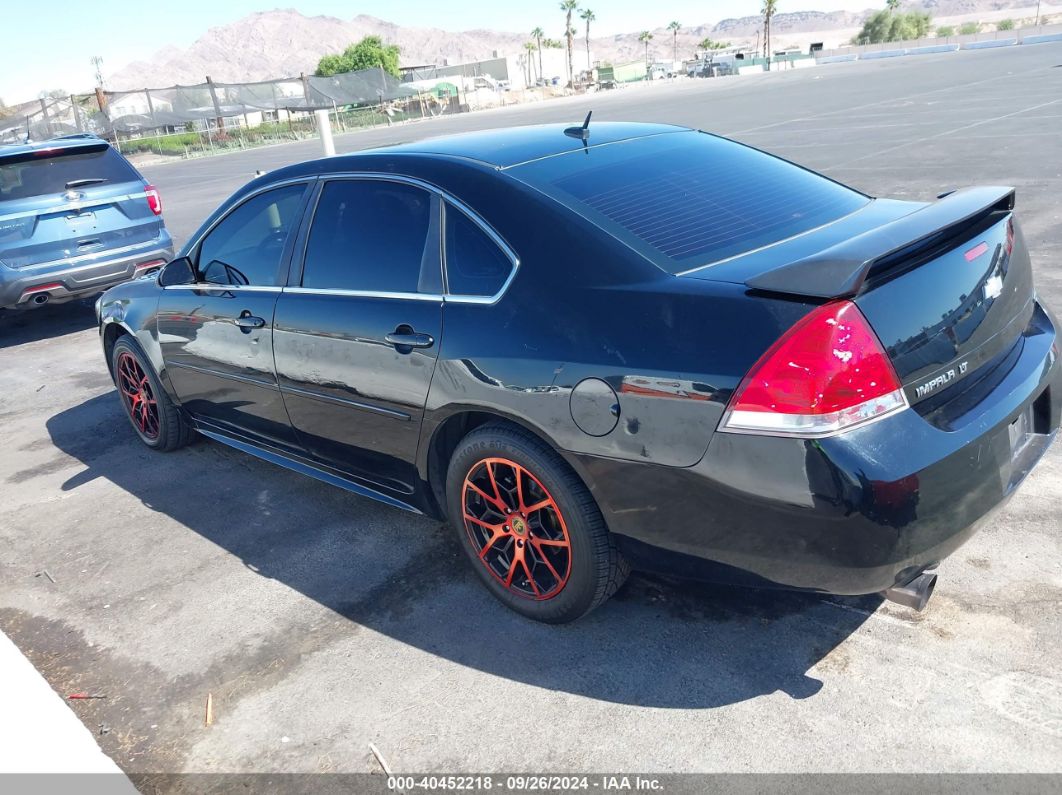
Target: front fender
[(132, 308)]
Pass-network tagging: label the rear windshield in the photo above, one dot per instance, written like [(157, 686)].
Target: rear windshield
[(690, 199), (42, 172)]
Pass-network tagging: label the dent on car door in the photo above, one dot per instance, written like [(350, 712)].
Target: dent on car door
[(357, 336), (217, 334)]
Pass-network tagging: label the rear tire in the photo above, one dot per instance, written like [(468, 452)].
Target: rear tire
[(532, 531), (154, 417)]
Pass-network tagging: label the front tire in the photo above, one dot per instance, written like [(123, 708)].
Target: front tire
[(530, 528), (154, 417)]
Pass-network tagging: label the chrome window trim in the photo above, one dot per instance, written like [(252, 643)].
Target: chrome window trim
[(459, 205), (225, 288), (506, 249), (363, 293)]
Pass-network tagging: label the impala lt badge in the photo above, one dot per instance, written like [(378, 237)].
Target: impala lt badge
[(935, 383)]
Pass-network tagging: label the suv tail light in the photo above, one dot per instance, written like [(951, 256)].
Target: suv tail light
[(826, 374), (153, 199)]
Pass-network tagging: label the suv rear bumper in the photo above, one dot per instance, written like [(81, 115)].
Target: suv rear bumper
[(79, 278)]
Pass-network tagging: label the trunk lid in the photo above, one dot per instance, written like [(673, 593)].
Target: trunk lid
[(57, 204), (948, 316), (946, 286)]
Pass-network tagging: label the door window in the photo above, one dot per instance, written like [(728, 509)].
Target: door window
[(247, 246), (373, 235), (475, 265)]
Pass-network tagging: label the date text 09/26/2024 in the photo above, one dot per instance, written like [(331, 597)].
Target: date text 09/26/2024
[(525, 783)]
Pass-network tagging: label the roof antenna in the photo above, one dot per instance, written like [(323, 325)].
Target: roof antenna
[(582, 133)]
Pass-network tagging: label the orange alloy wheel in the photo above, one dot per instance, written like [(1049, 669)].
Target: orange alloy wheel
[(516, 528)]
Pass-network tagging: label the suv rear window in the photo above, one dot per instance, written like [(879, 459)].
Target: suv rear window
[(690, 199), (47, 171)]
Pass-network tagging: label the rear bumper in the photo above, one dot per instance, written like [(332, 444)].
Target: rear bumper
[(850, 514), (81, 277)]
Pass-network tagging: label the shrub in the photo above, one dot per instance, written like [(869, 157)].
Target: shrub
[(368, 53), (889, 26), (945, 30), (1005, 24), (969, 28)]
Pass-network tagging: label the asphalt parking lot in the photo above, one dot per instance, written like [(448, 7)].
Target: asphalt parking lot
[(321, 622)]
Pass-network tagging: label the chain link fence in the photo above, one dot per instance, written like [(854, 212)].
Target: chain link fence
[(189, 120)]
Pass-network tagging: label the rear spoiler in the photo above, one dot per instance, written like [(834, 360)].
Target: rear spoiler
[(840, 270), (48, 152)]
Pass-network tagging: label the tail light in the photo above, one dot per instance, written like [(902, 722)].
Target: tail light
[(153, 199), (826, 374)]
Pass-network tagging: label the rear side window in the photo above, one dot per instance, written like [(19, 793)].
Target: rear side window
[(690, 199), (372, 235), (54, 171), (246, 247), (475, 265)]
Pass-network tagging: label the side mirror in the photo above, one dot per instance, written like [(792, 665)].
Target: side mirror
[(177, 271)]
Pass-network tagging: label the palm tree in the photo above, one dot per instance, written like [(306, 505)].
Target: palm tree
[(538, 34), (568, 6), (645, 37), (674, 28), (530, 46), (588, 15), (769, 7), (892, 5)]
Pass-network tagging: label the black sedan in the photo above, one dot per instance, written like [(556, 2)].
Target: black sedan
[(612, 346)]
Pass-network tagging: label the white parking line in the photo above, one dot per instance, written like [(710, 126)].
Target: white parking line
[(946, 132), (849, 110)]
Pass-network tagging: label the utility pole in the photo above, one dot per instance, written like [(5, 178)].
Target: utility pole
[(77, 116), (97, 63), (217, 106), (1037, 22)]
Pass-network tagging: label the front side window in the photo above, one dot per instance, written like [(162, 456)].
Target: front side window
[(373, 235), (247, 246), (475, 265)]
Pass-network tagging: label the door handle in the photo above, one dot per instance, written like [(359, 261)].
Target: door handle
[(401, 338), (247, 321)]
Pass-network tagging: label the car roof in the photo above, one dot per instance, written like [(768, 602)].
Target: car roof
[(64, 142), (513, 146)]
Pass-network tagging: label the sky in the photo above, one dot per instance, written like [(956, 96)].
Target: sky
[(52, 50)]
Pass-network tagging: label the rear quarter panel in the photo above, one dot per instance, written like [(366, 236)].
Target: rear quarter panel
[(585, 306)]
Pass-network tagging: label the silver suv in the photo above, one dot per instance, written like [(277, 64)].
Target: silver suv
[(75, 219)]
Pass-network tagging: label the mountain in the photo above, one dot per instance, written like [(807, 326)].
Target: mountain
[(284, 42)]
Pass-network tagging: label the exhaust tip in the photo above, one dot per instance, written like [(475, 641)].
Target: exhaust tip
[(41, 298), (914, 594)]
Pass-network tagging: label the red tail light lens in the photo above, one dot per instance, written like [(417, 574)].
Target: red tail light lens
[(153, 199), (826, 374)]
